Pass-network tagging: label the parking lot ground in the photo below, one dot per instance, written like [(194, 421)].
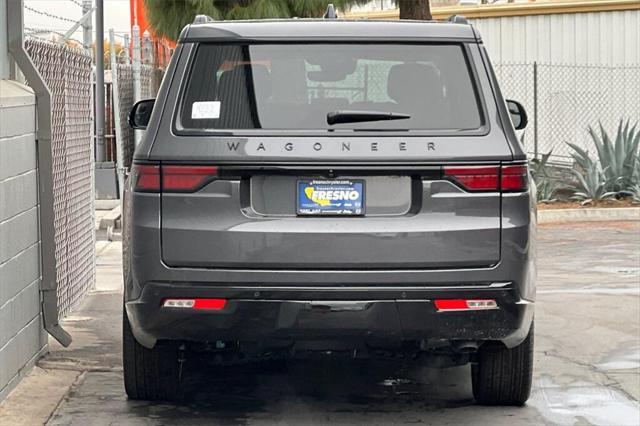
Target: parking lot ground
[(587, 359)]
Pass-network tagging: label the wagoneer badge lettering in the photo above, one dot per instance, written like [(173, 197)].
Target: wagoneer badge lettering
[(331, 147)]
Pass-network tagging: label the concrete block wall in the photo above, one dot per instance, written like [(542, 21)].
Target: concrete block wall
[(22, 338)]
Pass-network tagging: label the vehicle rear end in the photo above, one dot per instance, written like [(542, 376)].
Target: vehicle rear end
[(317, 188)]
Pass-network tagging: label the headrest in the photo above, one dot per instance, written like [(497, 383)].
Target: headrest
[(234, 80), (407, 82)]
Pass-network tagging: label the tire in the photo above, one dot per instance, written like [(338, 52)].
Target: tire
[(503, 376), (149, 374)]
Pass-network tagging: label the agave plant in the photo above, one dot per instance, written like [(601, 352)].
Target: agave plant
[(618, 157), (591, 184), (633, 192), (538, 166), (546, 188), (546, 191)]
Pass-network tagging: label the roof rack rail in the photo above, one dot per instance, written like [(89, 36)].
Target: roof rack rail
[(331, 12), (202, 19), (458, 19)]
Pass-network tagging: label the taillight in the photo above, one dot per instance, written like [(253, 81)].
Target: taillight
[(514, 178), (185, 178), (489, 178), (172, 178), (474, 178), (146, 178)]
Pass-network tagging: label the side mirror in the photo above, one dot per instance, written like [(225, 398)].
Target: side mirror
[(518, 114), (141, 114)]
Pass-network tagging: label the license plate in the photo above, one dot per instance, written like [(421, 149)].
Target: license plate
[(340, 197)]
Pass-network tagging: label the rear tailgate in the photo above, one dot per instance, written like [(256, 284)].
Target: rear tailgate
[(417, 215), (247, 218)]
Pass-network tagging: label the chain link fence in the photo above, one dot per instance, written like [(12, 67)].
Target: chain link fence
[(562, 101), (123, 104), (67, 73), (150, 79)]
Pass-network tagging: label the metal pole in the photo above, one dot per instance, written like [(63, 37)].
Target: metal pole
[(100, 152), (535, 110), (86, 26), (147, 51), (4, 47), (116, 111), (92, 149), (127, 46), (81, 22), (137, 69)]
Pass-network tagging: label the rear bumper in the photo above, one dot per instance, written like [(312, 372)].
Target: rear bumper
[(372, 315)]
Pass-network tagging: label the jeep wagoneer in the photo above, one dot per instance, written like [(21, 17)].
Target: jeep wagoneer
[(328, 185)]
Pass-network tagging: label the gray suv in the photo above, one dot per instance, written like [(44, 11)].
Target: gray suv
[(328, 186)]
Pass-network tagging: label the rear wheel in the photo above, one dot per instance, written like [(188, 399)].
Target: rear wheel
[(503, 376), (149, 374)]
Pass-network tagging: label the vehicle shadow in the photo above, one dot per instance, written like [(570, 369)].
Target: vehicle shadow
[(297, 392)]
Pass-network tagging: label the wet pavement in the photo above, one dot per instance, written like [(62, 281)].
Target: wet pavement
[(587, 359)]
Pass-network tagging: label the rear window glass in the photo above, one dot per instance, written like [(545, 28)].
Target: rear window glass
[(295, 86)]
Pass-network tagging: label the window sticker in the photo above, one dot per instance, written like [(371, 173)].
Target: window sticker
[(205, 110)]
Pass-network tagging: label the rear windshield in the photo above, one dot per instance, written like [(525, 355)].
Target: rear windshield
[(295, 86)]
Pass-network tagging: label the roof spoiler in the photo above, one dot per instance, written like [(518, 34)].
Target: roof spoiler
[(458, 19)]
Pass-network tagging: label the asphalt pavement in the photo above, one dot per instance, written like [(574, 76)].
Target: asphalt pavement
[(587, 360)]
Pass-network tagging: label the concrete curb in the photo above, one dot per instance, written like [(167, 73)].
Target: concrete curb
[(106, 204), (588, 215), (111, 219)]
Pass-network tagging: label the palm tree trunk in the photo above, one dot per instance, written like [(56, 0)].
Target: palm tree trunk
[(415, 9)]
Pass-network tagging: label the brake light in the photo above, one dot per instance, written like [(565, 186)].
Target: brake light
[(146, 177), (186, 178), (474, 178), (514, 178), (172, 178), (465, 304), (489, 178), (211, 304)]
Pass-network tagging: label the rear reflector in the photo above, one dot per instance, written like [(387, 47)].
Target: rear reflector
[(465, 304), (179, 303), (213, 304), (489, 178), (172, 178)]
